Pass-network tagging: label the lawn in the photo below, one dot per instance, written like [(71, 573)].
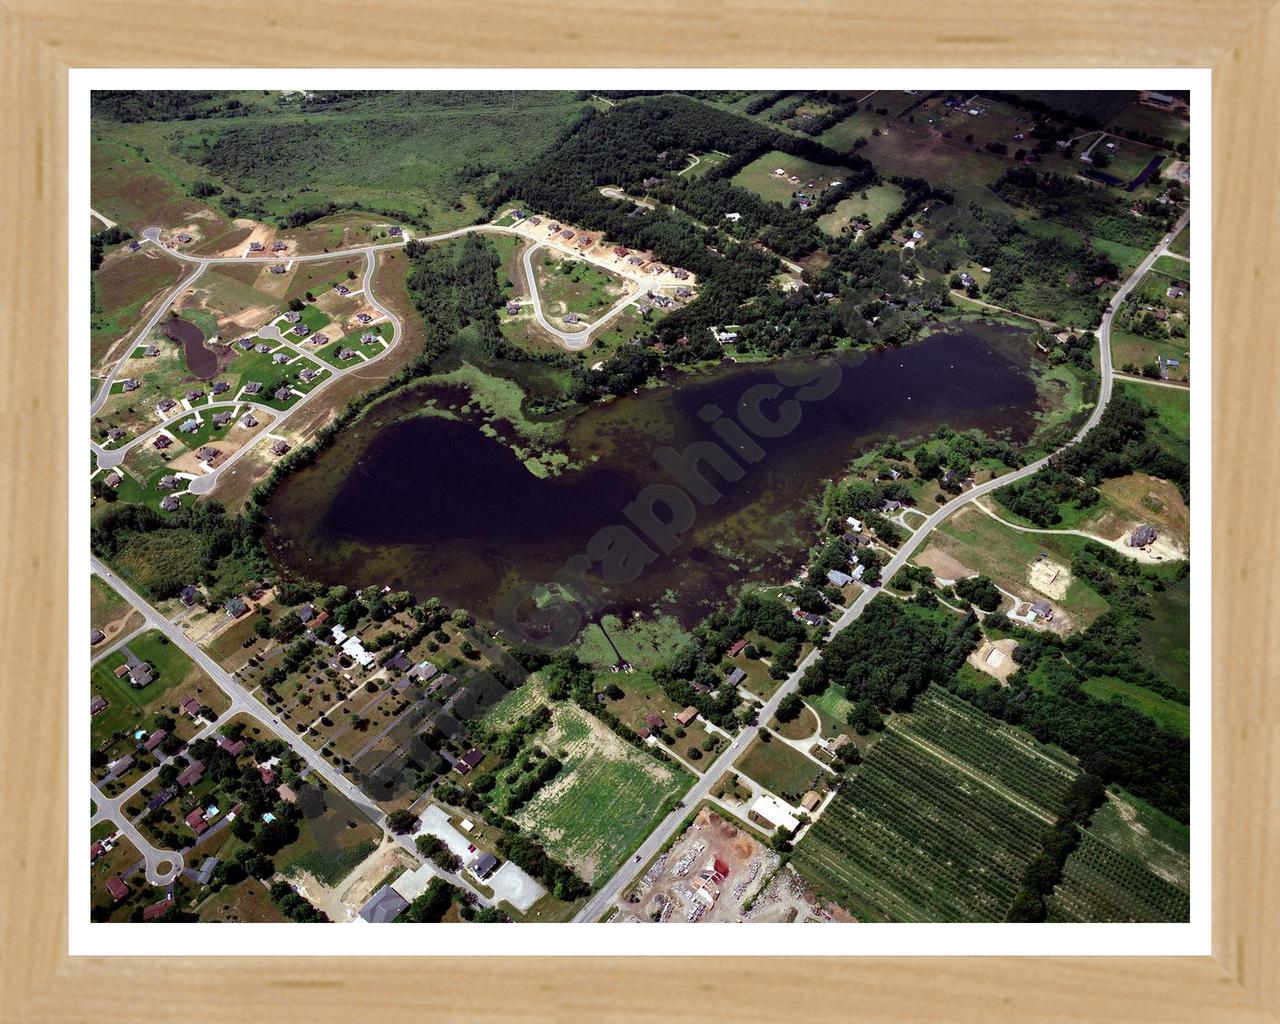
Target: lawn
[(604, 801), (106, 606), (1173, 414), (781, 769), (812, 177), (1135, 350), (131, 708), (880, 201), (1182, 243)]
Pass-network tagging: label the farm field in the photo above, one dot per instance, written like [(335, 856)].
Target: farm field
[(921, 150), (812, 177), (125, 284), (916, 835), (603, 802), (1162, 124), (1134, 827), (1102, 884)]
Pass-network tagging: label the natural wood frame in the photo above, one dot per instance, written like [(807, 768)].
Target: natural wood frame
[(1239, 39)]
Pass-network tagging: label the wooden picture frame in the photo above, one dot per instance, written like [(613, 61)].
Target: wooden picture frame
[(1239, 982)]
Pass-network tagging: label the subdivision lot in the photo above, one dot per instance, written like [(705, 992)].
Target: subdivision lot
[(110, 612), (781, 768), (880, 201), (126, 284), (812, 178)]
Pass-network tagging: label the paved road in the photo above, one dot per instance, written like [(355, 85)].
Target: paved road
[(668, 826), (575, 341), (243, 702)]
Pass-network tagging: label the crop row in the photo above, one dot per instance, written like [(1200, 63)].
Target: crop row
[(1102, 884), (909, 838)]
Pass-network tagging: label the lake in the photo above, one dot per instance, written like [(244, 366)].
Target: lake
[(433, 506)]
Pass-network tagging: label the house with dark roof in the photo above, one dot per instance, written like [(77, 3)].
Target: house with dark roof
[(346, 353), (129, 384), (189, 706), (164, 405), (279, 246), (170, 503), (157, 910), (736, 676), (1142, 536), (342, 289), (117, 887), (249, 420), (279, 448), (190, 775), (467, 761), (189, 595), (364, 318), (277, 268), (98, 705), (154, 740), (236, 607), (484, 865), (205, 874), (384, 906), (233, 747), (207, 454), (282, 394), (655, 721), (256, 247), (320, 339), (196, 820), (253, 387)]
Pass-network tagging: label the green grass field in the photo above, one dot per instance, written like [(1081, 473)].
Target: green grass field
[(644, 643), (781, 769), (1167, 714), (1182, 243), (427, 154), (758, 176), (566, 285), (605, 800), (130, 707), (881, 201), (1136, 350), (1100, 883)]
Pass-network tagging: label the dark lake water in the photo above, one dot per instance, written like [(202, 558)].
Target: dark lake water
[(200, 361), (433, 506)]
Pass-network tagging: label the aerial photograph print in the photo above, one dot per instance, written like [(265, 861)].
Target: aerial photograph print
[(632, 506)]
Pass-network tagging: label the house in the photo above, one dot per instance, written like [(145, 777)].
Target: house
[(318, 621), (467, 761), (1160, 99), (635, 261), (129, 384), (113, 480), (121, 671), (342, 289), (887, 505), (249, 420), (683, 292), (196, 820), (205, 874), (190, 775), (170, 503), (619, 251), (364, 318), (267, 774), (966, 280), (1142, 536), (680, 274), (233, 747), (280, 358), (399, 663), (687, 715), (151, 350), (584, 242), (189, 706), (161, 798), (164, 405), (810, 801), (423, 671), (811, 619), (644, 309), (96, 637), (320, 339), (513, 308), (774, 813), (737, 647), (96, 850), (854, 524), (655, 721), (383, 907), (280, 246), (119, 766), (279, 448), (98, 705), (292, 317), (736, 677), (157, 910), (117, 887), (256, 247), (253, 387), (567, 235), (370, 338), (264, 348), (221, 419), (1043, 610), (301, 330), (246, 344), (735, 217), (346, 353), (838, 578), (1174, 292), (141, 675), (282, 394), (308, 375), (571, 318), (277, 268), (553, 228), (236, 607), (189, 426), (483, 866), (189, 594), (154, 740), (395, 231), (286, 794), (135, 245), (183, 237), (838, 744)]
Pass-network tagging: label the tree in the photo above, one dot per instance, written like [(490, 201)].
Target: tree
[(790, 707), (402, 821)]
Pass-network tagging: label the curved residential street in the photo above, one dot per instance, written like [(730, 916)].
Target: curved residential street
[(610, 891)]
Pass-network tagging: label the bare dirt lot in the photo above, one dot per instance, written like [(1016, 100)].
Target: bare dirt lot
[(944, 566), (995, 658), (1050, 578)]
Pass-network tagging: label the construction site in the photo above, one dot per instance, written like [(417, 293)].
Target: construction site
[(717, 872)]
